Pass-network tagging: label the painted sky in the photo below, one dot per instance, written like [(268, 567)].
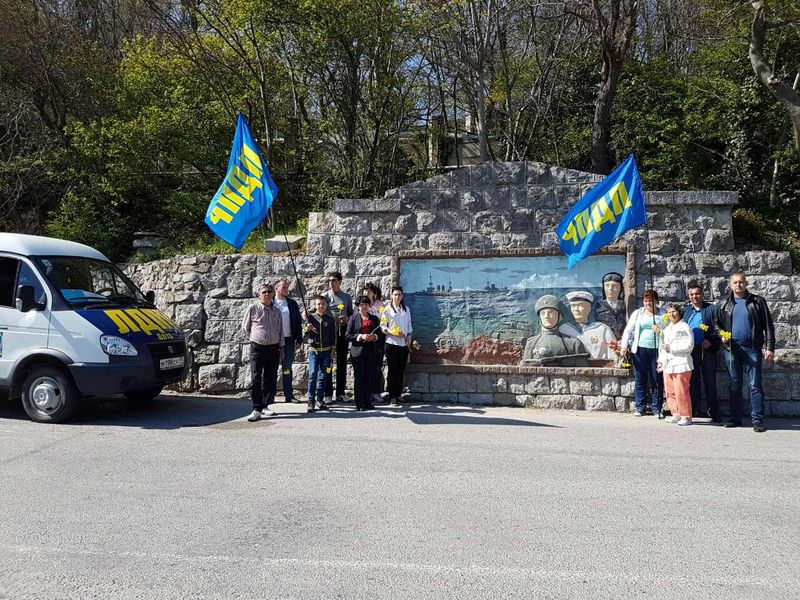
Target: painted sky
[(520, 272)]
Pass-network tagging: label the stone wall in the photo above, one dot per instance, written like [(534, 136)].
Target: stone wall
[(486, 208)]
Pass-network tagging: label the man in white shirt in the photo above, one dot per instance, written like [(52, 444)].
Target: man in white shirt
[(292, 335)]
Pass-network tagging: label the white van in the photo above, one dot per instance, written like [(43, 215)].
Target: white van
[(72, 324)]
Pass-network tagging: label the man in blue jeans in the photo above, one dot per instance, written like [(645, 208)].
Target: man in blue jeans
[(701, 318), (748, 320)]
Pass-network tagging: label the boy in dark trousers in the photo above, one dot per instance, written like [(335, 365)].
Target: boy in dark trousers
[(320, 332)]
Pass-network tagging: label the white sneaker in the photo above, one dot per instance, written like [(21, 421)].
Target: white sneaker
[(267, 412), (637, 413), (672, 419), (254, 416), (328, 399), (685, 422)]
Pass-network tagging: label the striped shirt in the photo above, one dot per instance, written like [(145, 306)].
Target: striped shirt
[(263, 324)]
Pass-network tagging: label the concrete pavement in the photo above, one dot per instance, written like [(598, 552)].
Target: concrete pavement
[(187, 500)]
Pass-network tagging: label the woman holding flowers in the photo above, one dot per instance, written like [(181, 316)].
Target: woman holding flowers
[(376, 307), (675, 362), (365, 336), (396, 324), (640, 339)]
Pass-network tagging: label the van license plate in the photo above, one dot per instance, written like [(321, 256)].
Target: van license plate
[(171, 363)]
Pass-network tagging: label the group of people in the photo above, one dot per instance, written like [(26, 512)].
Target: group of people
[(676, 350), (336, 328)]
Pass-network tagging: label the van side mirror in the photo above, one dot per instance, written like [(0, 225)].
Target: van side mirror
[(150, 297), (27, 300)]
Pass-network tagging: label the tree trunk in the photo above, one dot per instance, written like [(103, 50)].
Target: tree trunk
[(779, 88)]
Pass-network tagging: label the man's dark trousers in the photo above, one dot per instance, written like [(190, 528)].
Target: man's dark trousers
[(705, 368), (264, 371), (341, 367)]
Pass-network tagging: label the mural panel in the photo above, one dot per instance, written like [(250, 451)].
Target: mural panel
[(515, 309)]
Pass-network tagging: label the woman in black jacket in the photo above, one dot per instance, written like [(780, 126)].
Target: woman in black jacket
[(365, 337)]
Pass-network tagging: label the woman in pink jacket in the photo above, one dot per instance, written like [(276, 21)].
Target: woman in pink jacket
[(675, 360)]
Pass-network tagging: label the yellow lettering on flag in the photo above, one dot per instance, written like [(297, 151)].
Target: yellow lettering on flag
[(246, 177), (223, 200), (570, 234), (601, 213), (218, 214), (252, 157), (584, 223), (619, 198)]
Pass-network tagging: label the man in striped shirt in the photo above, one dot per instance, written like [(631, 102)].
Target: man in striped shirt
[(263, 324)]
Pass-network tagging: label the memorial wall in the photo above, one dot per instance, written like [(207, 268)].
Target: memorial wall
[(476, 252)]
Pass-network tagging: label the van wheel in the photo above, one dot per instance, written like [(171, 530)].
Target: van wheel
[(144, 396), (49, 395)]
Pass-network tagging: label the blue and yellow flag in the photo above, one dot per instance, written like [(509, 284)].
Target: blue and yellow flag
[(244, 198), (608, 210)]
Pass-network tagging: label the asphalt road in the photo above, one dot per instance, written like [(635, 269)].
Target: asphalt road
[(188, 500)]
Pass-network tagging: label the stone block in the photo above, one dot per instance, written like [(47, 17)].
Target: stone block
[(206, 355), (536, 197), (405, 223), (354, 224), (765, 262), (216, 293), (482, 175), (664, 242), (417, 382), (415, 199), (559, 385), (438, 383), (454, 220), (794, 386), (510, 173), (230, 352), (584, 385), (189, 316), (444, 241), (549, 239), (530, 239), (563, 401), (538, 385), (622, 404), (380, 245), (777, 385), (318, 243), (217, 378), (627, 388), (610, 386), (443, 397), (285, 243), (601, 402), (445, 200), (226, 308), (524, 220), (321, 222), (463, 383), (473, 200), (490, 222), (504, 399), (538, 174), (214, 331), (772, 287), (475, 399), (785, 408)]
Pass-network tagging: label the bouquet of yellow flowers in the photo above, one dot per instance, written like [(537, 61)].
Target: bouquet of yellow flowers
[(414, 345), (703, 326), (725, 336)]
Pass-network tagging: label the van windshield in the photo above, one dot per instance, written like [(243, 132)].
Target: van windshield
[(89, 283)]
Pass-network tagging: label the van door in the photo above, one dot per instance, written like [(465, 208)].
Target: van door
[(20, 333)]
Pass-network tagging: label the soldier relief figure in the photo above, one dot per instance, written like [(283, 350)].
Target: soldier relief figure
[(597, 337), (551, 347), (610, 310)]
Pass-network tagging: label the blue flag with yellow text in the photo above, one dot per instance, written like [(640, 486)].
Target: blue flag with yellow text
[(608, 210), (244, 198)]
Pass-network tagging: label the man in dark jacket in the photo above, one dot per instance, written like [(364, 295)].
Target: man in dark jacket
[(292, 332), (747, 319), (702, 318), (320, 332)]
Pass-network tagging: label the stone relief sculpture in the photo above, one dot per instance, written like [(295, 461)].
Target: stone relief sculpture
[(594, 335), (550, 347), (610, 310)]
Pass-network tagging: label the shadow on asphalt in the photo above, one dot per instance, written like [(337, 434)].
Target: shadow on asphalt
[(177, 412)]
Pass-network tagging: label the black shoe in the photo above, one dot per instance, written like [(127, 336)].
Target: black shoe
[(369, 407), (716, 419), (292, 400), (323, 406), (759, 427), (732, 423)]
